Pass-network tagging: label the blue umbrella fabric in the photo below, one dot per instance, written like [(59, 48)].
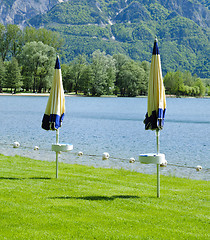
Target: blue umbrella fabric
[(156, 105), (55, 109)]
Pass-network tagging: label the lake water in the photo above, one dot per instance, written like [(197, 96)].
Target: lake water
[(113, 125)]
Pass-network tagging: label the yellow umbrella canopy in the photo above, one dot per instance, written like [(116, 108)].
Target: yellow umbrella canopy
[(156, 105), (55, 109)]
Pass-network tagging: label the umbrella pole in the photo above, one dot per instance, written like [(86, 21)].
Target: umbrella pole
[(158, 165), (57, 141)]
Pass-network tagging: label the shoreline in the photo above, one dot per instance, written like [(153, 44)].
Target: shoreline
[(150, 173), (78, 95)]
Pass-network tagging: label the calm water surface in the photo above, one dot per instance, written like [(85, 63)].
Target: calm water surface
[(114, 125)]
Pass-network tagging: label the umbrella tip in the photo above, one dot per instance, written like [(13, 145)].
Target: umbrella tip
[(156, 40)]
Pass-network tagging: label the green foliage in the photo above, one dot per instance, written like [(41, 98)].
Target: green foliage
[(2, 75), (86, 27), (10, 41), (179, 83), (45, 36), (158, 12), (122, 32), (105, 75), (78, 72), (102, 74), (83, 30), (126, 77), (72, 12), (13, 76), (37, 60), (97, 203), (132, 80)]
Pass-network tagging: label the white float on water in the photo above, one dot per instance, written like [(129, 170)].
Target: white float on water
[(132, 160), (16, 145), (80, 153), (36, 148), (198, 168), (164, 163), (105, 156)]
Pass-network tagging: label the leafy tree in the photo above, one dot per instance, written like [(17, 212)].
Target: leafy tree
[(145, 79), (67, 77), (86, 79), (11, 41), (131, 79), (103, 74), (78, 68), (200, 85), (2, 74), (13, 75), (169, 83), (38, 61), (188, 78), (120, 60), (2, 32), (179, 83)]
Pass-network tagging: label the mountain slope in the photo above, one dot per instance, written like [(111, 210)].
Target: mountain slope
[(129, 27)]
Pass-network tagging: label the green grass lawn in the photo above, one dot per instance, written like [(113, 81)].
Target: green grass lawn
[(95, 203)]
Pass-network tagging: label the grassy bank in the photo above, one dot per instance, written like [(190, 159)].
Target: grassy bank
[(95, 203)]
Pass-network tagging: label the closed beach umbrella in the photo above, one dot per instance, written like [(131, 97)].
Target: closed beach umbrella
[(55, 109), (156, 105)]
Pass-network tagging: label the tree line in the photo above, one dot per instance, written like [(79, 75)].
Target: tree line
[(28, 58)]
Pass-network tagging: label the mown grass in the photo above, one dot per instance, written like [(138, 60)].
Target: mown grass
[(95, 203)]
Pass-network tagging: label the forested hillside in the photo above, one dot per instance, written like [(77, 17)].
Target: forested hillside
[(129, 27)]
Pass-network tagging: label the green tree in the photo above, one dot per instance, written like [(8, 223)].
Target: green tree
[(120, 60), (67, 76), (169, 82), (2, 33), (37, 61), (188, 78), (102, 74), (145, 79), (11, 41), (199, 83), (179, 84), (132, 79), (85, 80), (13, 75), (78, 69), (2, 74)]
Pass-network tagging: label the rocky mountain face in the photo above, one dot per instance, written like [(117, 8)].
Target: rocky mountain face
[(189, 9), (18, 11), (193, 10)]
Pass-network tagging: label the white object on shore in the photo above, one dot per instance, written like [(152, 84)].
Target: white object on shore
[(105, 156), (36, 148), (80, 153), (16, 145), (132, 160), (198, 168)]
